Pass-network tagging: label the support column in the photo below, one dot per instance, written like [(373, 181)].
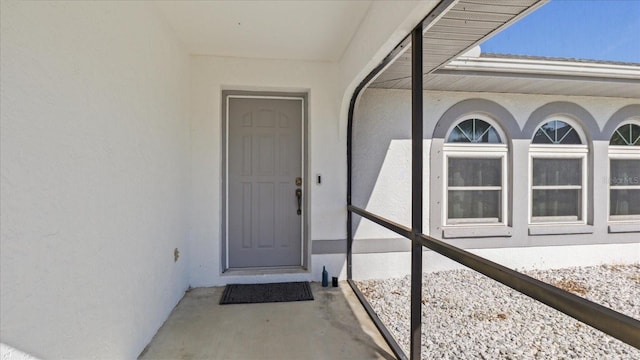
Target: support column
[(416, 191)]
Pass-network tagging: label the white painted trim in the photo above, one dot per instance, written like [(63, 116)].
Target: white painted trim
[(624, 152), (474, 148), (624, 219), (621, 153), (303, 164), (556, 151), (623, 227), (488, 221), (560, 229), (305, 187), (484, 230), (556, 187), (266, 97), (624, 187), (474, 151), (474, 188), (545, 66), (226, 184)]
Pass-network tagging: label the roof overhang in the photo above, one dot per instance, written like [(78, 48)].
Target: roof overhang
[(460, 27), (523, 67), (537, 76), (466, 23)]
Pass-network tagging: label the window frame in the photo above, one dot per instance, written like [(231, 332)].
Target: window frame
[(621, 152), (491, 123), (476, 151), (560, 151), (554, 151)]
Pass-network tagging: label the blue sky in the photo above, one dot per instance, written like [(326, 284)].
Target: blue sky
[(583, 29)]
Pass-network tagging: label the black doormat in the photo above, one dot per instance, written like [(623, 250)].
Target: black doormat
[(263, 293)]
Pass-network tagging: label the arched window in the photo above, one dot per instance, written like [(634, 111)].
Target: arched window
[(558, 174), (556, 132), (474, 131), (624, 173), (475, 173), (626, 135)]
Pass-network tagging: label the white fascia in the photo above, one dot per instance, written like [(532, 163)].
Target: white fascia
[(546, 67)]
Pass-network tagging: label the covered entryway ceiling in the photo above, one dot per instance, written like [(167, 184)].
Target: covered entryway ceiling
[(320, 30), (295, 30)]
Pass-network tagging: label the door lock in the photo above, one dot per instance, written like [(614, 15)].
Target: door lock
[(298, 181)]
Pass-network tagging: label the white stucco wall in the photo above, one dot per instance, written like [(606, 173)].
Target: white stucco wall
[(382, 140), (398, 264), (111, 159), (330, 87), (211, 75), (382, 123), (386, 24), (95, 170)]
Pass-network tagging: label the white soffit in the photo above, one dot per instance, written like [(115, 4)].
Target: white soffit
[(298, 30), (528, 75), (547, 66), (465, 24)]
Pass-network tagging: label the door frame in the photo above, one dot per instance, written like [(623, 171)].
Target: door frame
[(224, 190)]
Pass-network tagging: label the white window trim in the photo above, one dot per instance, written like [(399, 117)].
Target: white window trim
[(475, 151), (621, 152), (558, 151)]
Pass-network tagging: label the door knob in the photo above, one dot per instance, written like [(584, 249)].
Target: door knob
[(299, 196)]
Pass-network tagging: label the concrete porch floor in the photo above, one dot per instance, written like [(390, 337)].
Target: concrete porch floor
[(333, 326)]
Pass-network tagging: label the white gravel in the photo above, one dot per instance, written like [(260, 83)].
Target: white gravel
[(468, 316)]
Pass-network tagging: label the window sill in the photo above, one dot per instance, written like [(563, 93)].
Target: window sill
[(560, 229), (624, 227), (479, 231)]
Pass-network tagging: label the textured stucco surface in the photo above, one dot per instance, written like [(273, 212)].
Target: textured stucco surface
[(382, 121), (387, 23), (211, 75), (95, 177), (398, 264), (110, 158), (330, 86)]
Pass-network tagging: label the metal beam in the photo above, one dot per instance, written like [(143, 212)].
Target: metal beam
[(613, 323), (401, 47), (393, 226), (397, 350), (416, 192), (610, 322)]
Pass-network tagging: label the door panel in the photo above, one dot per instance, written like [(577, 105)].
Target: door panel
[(264, 159)]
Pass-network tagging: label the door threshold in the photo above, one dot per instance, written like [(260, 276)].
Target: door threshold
[(265, 270)]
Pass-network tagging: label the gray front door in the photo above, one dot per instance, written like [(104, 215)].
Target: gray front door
[(264, 161)]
